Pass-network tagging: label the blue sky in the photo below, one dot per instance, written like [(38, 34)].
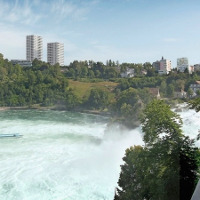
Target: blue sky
[(125, 30)]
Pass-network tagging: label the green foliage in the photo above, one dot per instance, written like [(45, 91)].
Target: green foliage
[(132, 176), (190, 93), (72, 101), (174, 82), (140, 83), (179, 85), (189, 162), (129, 96), (163, 87), (167, 167), (129, 105), (195, 104), (98, 99), (157, 119), (90, 69), (170, 90), (42, 84)]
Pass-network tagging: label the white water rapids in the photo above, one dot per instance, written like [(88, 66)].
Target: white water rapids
[(65, 156)]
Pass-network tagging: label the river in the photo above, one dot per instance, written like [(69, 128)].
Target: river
[(65, 155)]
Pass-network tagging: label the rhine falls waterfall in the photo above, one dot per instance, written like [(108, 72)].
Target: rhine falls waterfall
[(66, 156)]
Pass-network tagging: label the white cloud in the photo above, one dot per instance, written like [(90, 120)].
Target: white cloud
[(65, 9), (32, 12), (18, 12)]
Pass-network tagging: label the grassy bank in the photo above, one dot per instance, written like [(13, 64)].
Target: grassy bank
[(82, 89)]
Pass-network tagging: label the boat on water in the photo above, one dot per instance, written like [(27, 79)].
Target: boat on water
[(10, 135)]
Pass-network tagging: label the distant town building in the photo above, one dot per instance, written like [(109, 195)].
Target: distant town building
[(182, 64), (144, 72), (23, 63), (195, 87), (55, 53), (163, 66), (34, 47), (129, 73), (191, 69), (155, 92), (181, 94), (196, 67)]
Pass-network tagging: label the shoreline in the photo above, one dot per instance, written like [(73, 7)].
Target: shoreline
[(94, 112), (22, 108)]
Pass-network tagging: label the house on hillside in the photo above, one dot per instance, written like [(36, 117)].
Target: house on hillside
[(144, 72), (23, 63), (182, 64), (180, 94), (129, 73), (191, 69), (155, 92), (195, 87)]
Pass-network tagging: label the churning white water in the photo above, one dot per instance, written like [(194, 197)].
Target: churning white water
[(65, 156), (191, 123), (61, 156)]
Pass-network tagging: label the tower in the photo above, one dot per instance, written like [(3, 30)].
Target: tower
[(55, 53), (34, 47), (182, 64)]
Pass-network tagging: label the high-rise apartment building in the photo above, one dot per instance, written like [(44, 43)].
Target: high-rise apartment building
[(163, 66), (182, 64), (55, 53), (34, 47)]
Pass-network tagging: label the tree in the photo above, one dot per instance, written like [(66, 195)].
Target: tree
[(198, 92), (180, 84), (151, 72), (166, 167), (170, 90), (91, 74), (195, 104), (84, 72), (126, 109), (123, 84), (132, 176), (190, 93), (71, 99), (1, 59), (129, 96), (98, 99), (163, 87), (71, 73), (189, 162), (158, 119)]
